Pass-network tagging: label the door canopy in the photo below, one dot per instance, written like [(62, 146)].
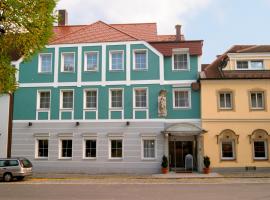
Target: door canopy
[(185, 129)]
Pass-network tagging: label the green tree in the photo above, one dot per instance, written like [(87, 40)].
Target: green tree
[(25, 28)]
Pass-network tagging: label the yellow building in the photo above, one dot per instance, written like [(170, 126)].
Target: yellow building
[(235, 109)]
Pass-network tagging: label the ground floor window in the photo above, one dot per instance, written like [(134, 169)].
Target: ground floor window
[(90, 148), (116, 148), (66, 148), (43, 146), (149, 151), (260, 150), (227, 150)]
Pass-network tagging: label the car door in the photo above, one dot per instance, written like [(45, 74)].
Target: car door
[(2, 167)]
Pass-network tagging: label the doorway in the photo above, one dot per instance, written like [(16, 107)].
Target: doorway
[(177, 153)]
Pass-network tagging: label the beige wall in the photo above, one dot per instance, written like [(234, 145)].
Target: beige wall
[(241, 120)]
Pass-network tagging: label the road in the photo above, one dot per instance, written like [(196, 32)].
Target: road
[(138, 190)]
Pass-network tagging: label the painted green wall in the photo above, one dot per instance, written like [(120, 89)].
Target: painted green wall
[(28, 72), (191, 74), (115, 75), (25, 103), (67, 76), (92, 75), (152, 73)]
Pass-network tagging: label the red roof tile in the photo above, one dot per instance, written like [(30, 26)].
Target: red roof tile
[(96, 32), (195, 47)]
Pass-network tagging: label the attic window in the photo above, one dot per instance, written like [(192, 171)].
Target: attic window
[(249, 65)]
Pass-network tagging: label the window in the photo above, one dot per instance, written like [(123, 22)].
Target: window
[(91, 61), (67, 99), (149, 149), (42, 148), (45, 63), (227, 150), (140, 58), (180, 61), (260, 150), (68, 64), (257, 100), (225, 100), (116, 148), (90, 148), (250, 65), (182, 99), (140, 98), (256, 64), (66, 148), (116, 60), (116, 98), (91, 99), (13, 163), (44, 99), (242, 64)]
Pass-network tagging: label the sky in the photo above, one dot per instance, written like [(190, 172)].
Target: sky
[(220, 23)]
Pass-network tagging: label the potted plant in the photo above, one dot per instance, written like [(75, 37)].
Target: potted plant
[(206, 162), (164, 165)]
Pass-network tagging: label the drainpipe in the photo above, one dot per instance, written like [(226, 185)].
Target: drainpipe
[(10, 122)]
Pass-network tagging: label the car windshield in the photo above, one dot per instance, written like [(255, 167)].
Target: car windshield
[(26, 163)]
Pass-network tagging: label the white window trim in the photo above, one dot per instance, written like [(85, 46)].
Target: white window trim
[(249, 64), (84, 146), (233, 147), (85, 61), (36, 147), (110, 99), (110, 144), (39, 63), (84, 99), (189, 97), (134, 59), (63, 61), (225, 108), (265, 150), (134, 97), (61, 99), (142, 146), (60, 148), (180, 52), (38, 100), (263, 100), (110, 60)]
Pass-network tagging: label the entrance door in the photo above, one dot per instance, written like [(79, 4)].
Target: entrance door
[(177, 153)]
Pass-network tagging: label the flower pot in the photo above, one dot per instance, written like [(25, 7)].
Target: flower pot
[(206, 170), (164, 170)]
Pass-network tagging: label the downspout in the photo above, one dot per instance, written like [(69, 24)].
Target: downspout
[(10, 123)]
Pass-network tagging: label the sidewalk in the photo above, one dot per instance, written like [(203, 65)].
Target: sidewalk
[(170, 175)]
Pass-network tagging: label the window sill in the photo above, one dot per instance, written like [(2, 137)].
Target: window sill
[(182, 108), (41, 158), (140, 70), (90, 109), (73, 72), (180, 70), (91, 158), (116, 70), (225, 109), (227, 159), (43, 109), (148, 159), (45, 73), (96, 70), (66, 109), (260, 159), (67, 158), (257, 109), (120, 159)]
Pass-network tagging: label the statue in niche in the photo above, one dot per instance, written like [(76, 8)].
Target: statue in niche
[(162, 104)]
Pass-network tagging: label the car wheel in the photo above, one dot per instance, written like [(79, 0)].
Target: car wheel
[(20, 178), (7, 177)]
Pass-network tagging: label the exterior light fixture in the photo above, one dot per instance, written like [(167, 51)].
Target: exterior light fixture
[(77, 123), (30, 123), (127, 123)]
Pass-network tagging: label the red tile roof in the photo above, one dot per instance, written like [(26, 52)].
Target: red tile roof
[(96, 32), (195, 47), (102, 32), (214, 71)]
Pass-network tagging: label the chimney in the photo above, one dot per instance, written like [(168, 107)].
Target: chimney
[(62, 18), (178, 32)]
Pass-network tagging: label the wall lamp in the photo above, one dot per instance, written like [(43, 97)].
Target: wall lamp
[(30, 123), (127, 123), (77, 123)]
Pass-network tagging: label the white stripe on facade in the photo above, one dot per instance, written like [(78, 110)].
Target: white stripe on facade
[(176, 83), (103, 65), (79, 67), (56, 61), (128, 63)]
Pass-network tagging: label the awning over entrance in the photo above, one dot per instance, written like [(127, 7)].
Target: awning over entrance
[(183, 129)]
